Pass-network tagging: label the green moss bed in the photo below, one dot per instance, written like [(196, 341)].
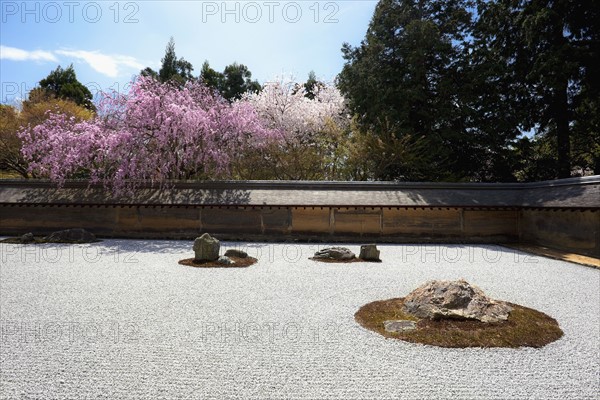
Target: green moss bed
[(525, 327), (238, 263)]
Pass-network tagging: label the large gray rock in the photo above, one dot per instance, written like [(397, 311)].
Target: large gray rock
[(71, 236), (206, 248), (454, 300), (369, 252), (334, 253)]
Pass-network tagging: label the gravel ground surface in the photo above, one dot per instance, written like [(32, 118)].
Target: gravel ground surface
[(121, 319)]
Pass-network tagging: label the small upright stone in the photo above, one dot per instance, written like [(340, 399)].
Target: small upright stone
[(369, 252), (206, 248)]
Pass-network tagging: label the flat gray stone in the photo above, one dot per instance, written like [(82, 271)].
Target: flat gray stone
[(236, 253), (399, 325)]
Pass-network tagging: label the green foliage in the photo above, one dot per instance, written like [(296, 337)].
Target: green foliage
[(383, 155), (232, 83), (210, 77), (238, 80), (63, 84), (10, 145), (149, 72)]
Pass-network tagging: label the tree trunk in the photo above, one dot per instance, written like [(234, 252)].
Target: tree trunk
[(561, 115)]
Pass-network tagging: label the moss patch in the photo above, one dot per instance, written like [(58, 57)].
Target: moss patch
[(525, 327), (333, 261), (239, 263)]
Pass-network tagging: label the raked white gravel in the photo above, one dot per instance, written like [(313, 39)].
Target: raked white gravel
[(121, 319)]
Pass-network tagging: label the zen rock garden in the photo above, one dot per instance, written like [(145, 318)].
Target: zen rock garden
[(207, 250), (439, 313), (368, 252), (458, 314)]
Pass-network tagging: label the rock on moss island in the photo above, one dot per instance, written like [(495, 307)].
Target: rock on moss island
[(454, 300)]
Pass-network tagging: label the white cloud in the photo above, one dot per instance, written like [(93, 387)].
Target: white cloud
[(109, 65), (14, 54)]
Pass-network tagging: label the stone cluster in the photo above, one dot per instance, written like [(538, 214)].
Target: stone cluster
[(368, 252), (76, 235), (207, 249)]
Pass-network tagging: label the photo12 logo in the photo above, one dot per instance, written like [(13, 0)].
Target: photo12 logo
[(269, 11), (69, 11), (15, 92)]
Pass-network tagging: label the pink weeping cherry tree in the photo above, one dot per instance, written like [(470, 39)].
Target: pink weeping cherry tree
[(156, 132)]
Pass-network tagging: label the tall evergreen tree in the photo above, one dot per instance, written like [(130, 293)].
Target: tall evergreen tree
[(407, 75), (176, 70), (312, 84), (549, 48)]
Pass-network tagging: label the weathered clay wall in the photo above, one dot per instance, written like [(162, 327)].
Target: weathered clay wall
[(575, 231), (269, 223), (562, 214)]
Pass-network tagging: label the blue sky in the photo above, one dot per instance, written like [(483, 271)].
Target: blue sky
[(109, 42)]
